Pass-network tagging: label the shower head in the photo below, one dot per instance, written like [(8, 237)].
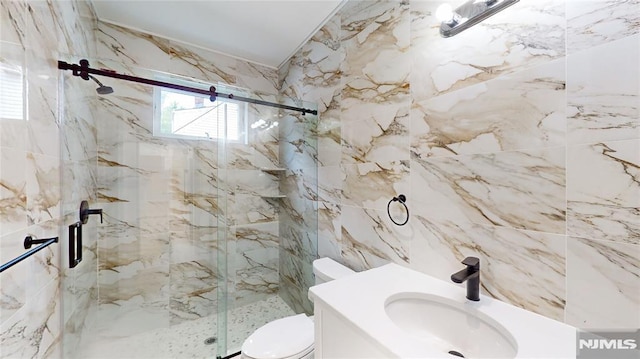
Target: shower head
[(102, 89)]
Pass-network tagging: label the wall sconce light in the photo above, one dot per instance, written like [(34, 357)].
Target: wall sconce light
[(468, 14)]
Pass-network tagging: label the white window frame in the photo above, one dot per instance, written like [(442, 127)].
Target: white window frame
[(157, 114)]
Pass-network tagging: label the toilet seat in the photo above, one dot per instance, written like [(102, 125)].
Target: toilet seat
[(290, 337)]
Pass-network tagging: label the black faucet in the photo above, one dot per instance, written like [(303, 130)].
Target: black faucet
[(471, 274)]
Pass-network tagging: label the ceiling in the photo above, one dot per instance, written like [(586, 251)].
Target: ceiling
[(267, 32)]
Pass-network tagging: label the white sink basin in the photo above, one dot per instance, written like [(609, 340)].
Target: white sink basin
[(449, 326)]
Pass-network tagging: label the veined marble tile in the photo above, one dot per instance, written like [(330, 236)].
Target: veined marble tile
[(603, 290), (330, 134), (523, 110), (12, 22), (375, 100), (131, 315), (298, 141), (43, 30), (131, 291), (603, 191), (604, 105), (130, 218), (246, 209), (202, 211), (290, 75), (595, 22), (323, 57), (383, 136), (134, 48), (526, 34), (142, 173), (301, 188), (44, 267), (298, 241), (329, 230), (253, 182), (80, 290), (43, 188), (192, 290), (256, 274), (79, 182), (255, 77), (196, 171), (195, 244), (262, 147), (375, 35), (298, 220), (293, 288), (78, 132), (13, 190), (128, 255), (330, 180), (518, 189), (13, 286), (372, 185), (79, 35), (34, 330), (256, 236), (523, 268), (370, 240)]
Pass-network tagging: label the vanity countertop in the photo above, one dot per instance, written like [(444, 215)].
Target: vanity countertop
[(360, 299)]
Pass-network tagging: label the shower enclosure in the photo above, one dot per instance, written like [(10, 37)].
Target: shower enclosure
[(209, 214)]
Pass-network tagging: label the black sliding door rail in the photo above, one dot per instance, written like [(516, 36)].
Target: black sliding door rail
[(83, 70), (28, 241)]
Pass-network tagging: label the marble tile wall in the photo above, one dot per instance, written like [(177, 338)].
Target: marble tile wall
[(298, 214), (47, 165), (517, 141)]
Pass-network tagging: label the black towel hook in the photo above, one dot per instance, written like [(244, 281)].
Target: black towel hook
[(402, 199)]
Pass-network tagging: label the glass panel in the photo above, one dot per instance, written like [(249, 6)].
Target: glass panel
[(272, 222)]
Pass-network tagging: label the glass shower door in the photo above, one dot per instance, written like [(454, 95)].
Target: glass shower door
[(269, 176), (148, 284), (209, 219)]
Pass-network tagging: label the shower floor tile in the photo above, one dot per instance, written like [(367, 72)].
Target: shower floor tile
[(187, 340)]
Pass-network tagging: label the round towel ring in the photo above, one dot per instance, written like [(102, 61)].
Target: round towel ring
[(402, 199)]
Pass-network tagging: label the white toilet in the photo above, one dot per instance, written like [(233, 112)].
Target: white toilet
[(291, 337)]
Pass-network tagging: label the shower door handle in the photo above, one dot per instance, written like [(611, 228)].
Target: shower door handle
[(75, 244)]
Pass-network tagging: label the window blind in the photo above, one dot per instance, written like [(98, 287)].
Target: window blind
[(11, 94)]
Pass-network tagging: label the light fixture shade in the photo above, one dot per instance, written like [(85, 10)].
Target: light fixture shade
[(469, 14)]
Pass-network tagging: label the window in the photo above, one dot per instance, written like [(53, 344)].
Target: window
[(11, 93), (186, 115)]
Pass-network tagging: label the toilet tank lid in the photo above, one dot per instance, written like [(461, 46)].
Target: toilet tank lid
[(281, 338), (328, 269)]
